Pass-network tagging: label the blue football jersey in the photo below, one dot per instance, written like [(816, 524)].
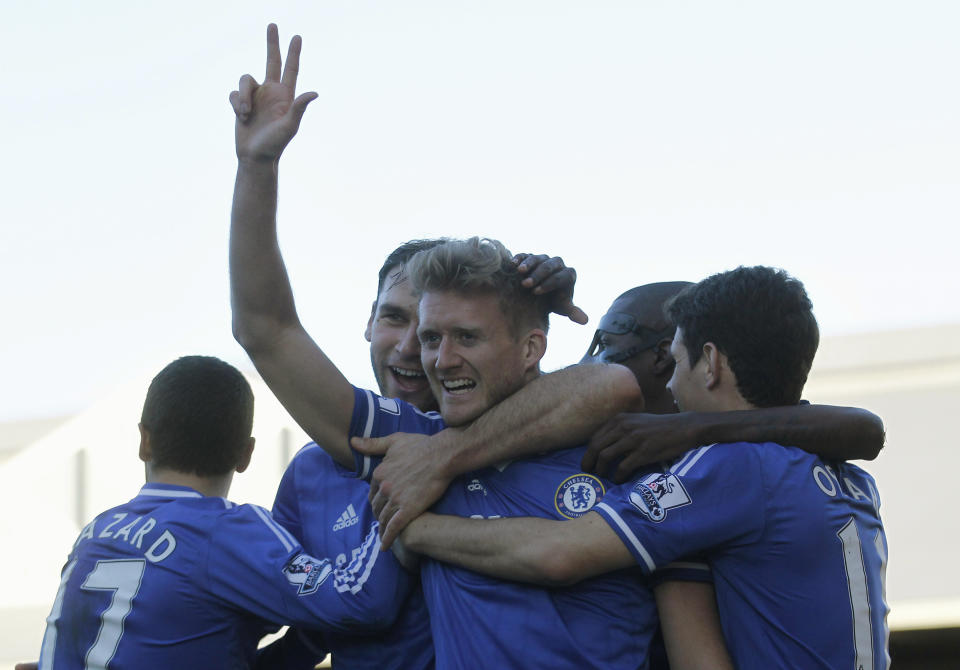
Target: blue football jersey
[(796, 545), (173, 579), (326, 508), (480, 621)]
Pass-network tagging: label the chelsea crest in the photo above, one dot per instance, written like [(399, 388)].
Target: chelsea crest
[(577, 495)]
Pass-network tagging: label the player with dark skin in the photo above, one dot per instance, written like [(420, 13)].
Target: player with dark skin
[(265, 321), (632, 440), (633, 333), (557, 553)]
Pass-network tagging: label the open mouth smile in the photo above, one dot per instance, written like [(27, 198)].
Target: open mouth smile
[(458, 386), (407, 379)]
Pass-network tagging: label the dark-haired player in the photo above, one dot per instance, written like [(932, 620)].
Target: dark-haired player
[(795, 542), (328, 510), (491, 347), (179, 576)]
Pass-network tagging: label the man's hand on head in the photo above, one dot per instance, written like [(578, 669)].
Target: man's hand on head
[(410, 479), (629, 441), (549, 276), (269, 114)]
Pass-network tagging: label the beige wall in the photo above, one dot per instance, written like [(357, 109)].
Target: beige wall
[(912, 380)]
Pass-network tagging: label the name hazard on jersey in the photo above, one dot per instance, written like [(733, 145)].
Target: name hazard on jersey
[(160, 542)]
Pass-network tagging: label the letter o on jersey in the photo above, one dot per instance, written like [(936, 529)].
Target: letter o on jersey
[(824, 481)]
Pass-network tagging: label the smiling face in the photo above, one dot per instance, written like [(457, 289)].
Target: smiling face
[(470, 356), (394, 348)]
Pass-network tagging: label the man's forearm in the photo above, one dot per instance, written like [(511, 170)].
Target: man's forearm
[(524, 549), (265, 321), (555, 411), (488, 546), (838, 433), (691, 626), (261, 297)]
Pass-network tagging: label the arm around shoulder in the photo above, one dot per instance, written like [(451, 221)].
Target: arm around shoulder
[(555, 411), (539, 551)]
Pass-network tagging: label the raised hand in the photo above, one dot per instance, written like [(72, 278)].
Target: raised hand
[(268, 114), (549, 276)]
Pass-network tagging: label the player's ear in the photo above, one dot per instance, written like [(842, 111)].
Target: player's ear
[(663, 359), (367, 334), (146, 453), (245, 457), (713, 366), (534, 347)]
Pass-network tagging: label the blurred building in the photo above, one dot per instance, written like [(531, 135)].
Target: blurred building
[(56, 474)]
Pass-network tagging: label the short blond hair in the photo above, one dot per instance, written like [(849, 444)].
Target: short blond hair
[(480, 265)]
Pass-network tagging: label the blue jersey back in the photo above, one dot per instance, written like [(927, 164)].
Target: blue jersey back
[(481, 621), (176, 579), (796, 546), (326, 508)]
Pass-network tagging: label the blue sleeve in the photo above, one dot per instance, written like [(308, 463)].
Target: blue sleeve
[(286, 506), (255, 564), (376, 416), (712, 496)]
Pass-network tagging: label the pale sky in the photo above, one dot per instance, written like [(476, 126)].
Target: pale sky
[(641, 141)]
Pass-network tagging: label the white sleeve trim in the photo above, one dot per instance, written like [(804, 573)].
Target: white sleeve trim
[(637, 545), (356, 573), (367, 431), (282, 534), (691, 460), (368, 427)]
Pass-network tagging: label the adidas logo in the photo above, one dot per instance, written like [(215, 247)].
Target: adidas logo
[(348, 518)]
